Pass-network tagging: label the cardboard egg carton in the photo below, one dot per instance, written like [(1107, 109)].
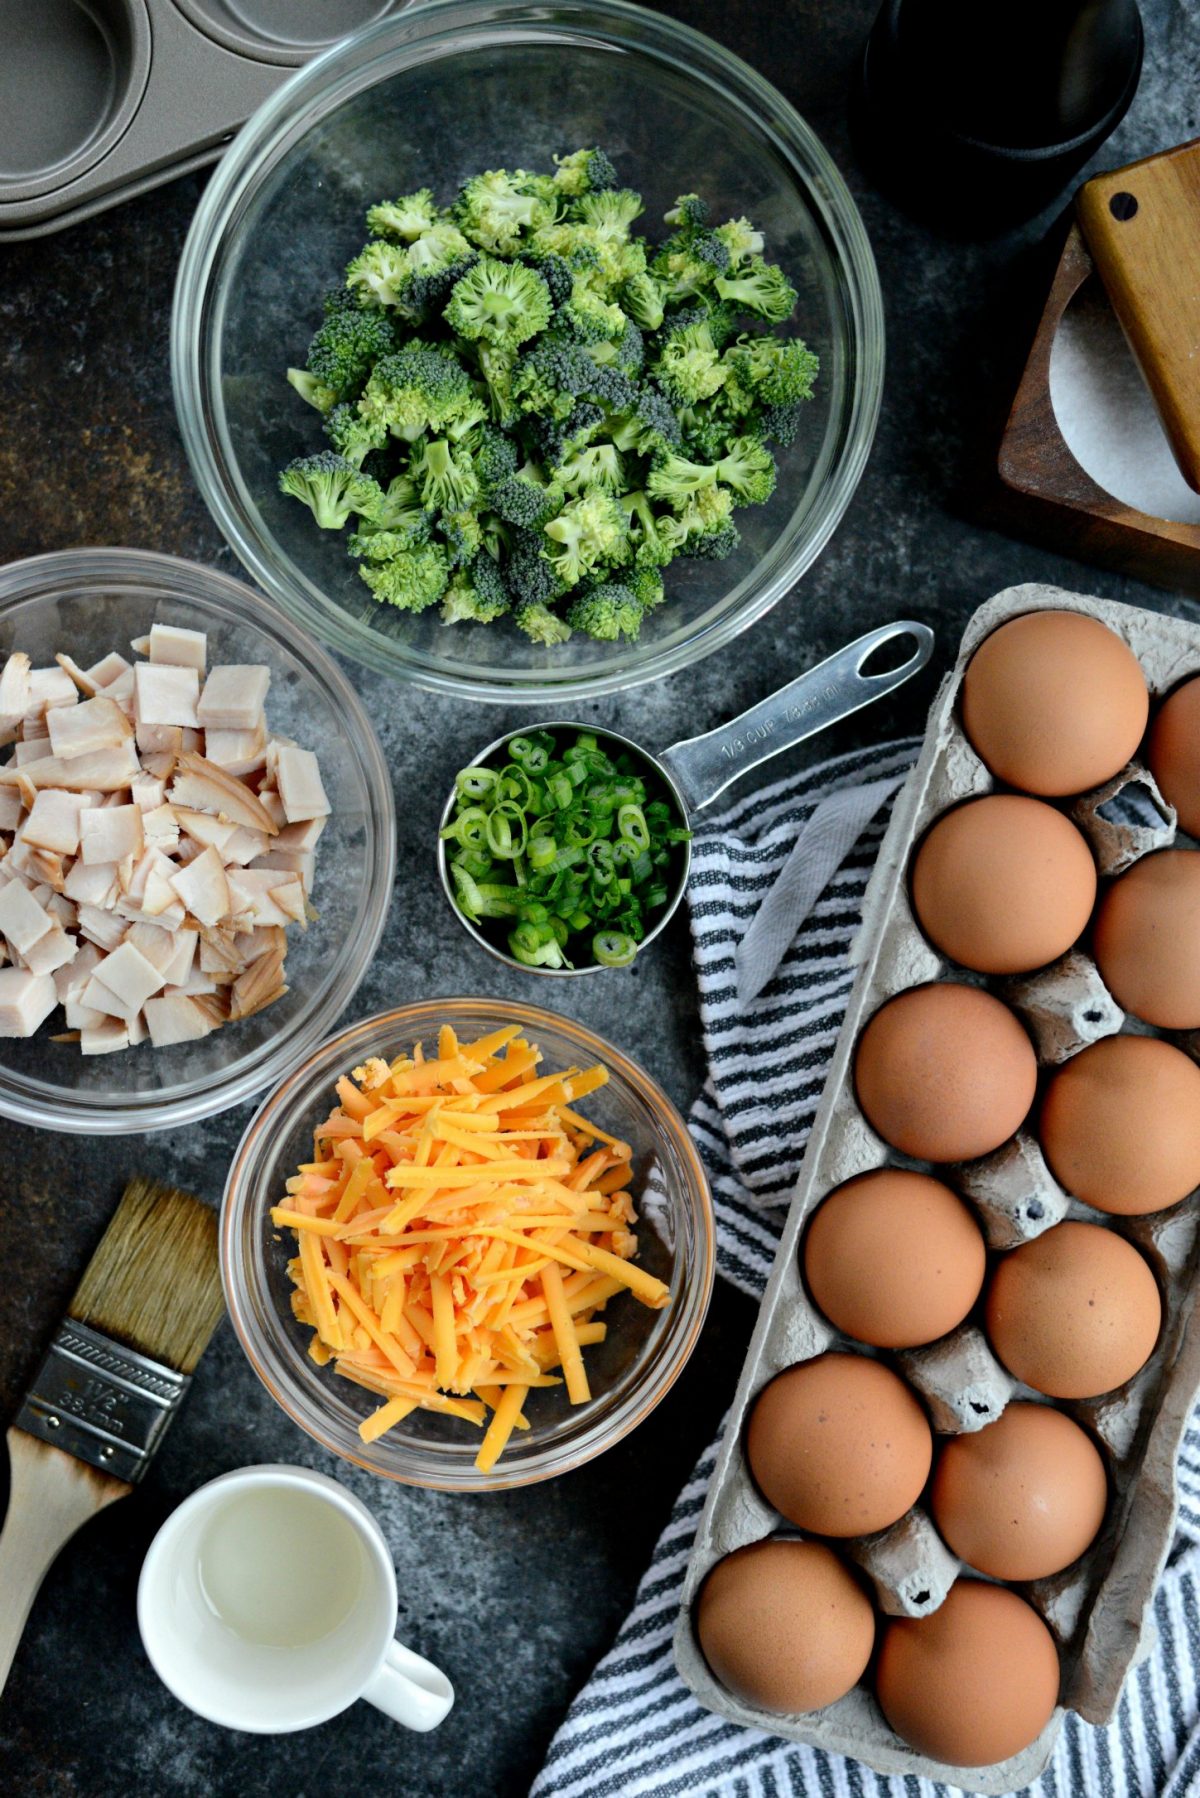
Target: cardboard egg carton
[(1098, 1609)]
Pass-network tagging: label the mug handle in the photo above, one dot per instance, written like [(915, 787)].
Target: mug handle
[(410, 1689)]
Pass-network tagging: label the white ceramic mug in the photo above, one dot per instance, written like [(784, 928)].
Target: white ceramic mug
[(267, 1602)]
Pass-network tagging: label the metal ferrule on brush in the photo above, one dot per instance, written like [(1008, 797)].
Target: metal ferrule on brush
[(102, 1402)]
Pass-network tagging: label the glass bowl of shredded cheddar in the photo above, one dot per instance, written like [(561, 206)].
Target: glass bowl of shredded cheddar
[(467, 1244)]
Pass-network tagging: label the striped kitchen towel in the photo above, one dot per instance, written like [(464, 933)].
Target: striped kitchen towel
[(771, 1016)]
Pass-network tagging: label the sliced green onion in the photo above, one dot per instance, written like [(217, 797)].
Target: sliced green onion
[(613, 948), (631, 824), (475, 783)]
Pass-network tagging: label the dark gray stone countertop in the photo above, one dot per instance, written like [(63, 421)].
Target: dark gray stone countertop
[(516, 1594)]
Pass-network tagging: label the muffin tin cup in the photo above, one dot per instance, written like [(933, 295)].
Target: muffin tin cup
[(104, 99), (1098, 1609)]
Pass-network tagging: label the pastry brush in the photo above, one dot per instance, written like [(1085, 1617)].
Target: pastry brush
[(111, 1382)]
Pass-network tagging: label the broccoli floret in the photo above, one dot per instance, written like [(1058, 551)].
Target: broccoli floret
[(583, 172), (385, 546), (740, 239), (587, 533), (416, 390), (642, 298), (774, 371), (556, 272), (401, 509), (404, 219), (463, 536), (705, 527), (526, 500), (346, 347), (610, 213), (689, 213), (332, 487), (650, 547), (708, 428), (606, 612), (503, 302), (529, 577), (497, 366), (539, 623), (648, 427), (645, 582), (313, 391), (687, 265), (599, 467), (446, 476), (379, 274), (352, 435), (590, 317), (552, 377), (476, 594), (747, 467), (412, 581), (761, 287), (781, 423), (494, 208), (626, 353), (689, 366), (495, 457), (559, 438)]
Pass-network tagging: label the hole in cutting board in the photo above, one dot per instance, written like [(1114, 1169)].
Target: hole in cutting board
[(1106, 415)]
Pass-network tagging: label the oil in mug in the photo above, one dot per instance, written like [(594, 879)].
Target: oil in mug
[(281, 1568)]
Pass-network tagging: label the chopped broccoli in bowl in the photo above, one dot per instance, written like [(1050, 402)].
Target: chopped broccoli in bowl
[(532, 410)]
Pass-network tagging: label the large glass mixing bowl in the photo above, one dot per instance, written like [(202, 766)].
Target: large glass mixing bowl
[(426, 98)]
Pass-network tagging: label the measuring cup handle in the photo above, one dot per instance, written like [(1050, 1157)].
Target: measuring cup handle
[(410, 1689), (705, 766)]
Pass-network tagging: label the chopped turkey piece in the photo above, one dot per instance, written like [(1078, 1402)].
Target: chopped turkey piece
[(87, 686), (22, 919), (301, 863), (108, 771), (245, 846), (26, 1001), (164, 695), (50, 688), (108, 669), (31, 749), (300, 786), (268, 896), (94, 885), (180, 966), (130, 975), (201, 786), (240, 752), (209, 832), (104, 1038), (161, 829), (16, 687), (204, 888), (110, 833), (54, 821), (52, 951), (146, 792), (80, 1016), (83, 729), (138, 1032), (300, 836), (175, 1018), (70, 980), (10, 809), (181, 648), (105, 928), (234, 697)]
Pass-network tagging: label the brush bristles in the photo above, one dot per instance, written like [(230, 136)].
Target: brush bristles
[(154, 1283)]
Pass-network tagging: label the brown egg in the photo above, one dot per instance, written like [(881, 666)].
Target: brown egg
[(975, 1682), (1054, 703), (1175, 754), (1121, 1125), (1023, 1497), (894, 1258), (785, 1625), (1075, 1312), (839, 1445), (1147, 939), (945, 1072), (1004, 884)]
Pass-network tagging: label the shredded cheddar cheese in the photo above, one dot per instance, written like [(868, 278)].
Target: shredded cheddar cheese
[(460, 1229)]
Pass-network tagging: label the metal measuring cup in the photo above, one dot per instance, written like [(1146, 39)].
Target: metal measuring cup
[(697, 770)]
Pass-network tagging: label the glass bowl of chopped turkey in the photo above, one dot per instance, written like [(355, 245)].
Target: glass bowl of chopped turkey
[(197, 842)]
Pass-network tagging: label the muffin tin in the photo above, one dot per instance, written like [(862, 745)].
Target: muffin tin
[(103, 99), (1099, 1608)]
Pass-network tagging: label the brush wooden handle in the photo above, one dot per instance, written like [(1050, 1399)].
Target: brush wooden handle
[(52, 1495)]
